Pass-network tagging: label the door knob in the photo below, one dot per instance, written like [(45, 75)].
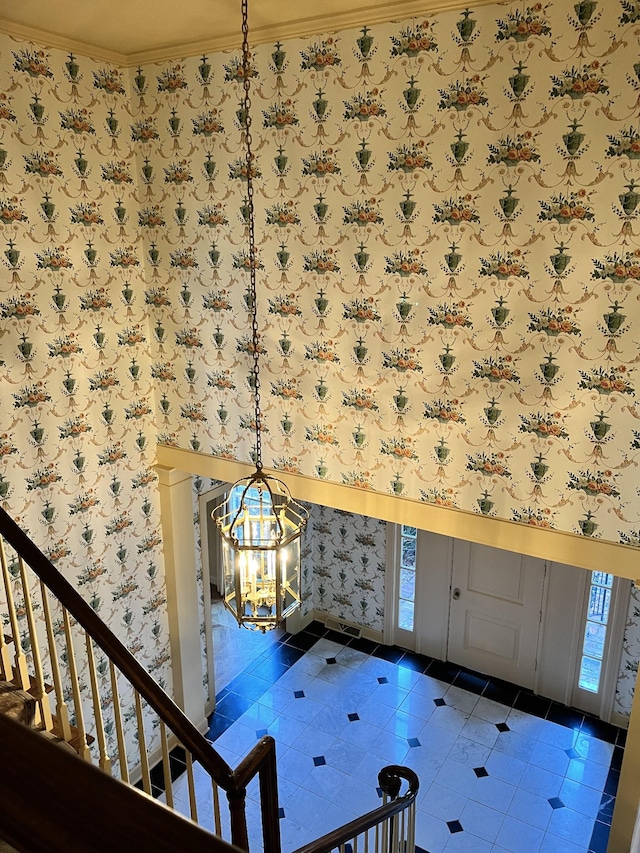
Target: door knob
[(456, 594)]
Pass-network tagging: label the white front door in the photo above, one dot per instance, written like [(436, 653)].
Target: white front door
[(495, 612)]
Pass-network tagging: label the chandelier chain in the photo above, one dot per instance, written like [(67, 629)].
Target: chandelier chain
[(253, 297)]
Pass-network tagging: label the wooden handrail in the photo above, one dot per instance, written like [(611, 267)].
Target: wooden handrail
[(234, 782), (390, 780), (38, 814)]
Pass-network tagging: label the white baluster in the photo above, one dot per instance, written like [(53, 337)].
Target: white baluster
[(103, 760), (62, 711)]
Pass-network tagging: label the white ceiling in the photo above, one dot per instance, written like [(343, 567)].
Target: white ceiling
[(132, 31)]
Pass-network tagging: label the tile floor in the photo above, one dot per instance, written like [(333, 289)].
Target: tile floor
[(500, 769)]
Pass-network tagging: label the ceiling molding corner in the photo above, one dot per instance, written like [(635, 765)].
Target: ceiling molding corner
[(46, 39)]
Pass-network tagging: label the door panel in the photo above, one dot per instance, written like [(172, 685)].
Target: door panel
[(495, 612)]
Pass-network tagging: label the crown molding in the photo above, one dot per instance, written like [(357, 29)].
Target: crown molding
[(373, 13)]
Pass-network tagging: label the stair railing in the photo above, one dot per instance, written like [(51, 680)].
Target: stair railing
[(60, 645), (388, 829)]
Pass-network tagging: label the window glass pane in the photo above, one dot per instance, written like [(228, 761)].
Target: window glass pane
[(405, 615), (408, 555), (599, 603), (409, 531), (602, 578), (590, 674), (407, 584), (594, 639)]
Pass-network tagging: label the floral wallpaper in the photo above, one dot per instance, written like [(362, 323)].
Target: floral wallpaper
[(449, 254), (77, 430)]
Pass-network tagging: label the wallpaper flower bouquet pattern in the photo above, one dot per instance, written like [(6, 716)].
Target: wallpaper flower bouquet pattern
[(447, 264)]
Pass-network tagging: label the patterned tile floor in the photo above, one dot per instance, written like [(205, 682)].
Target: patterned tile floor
[(500, 769)]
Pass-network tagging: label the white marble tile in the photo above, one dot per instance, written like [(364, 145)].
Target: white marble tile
[(519, 837), (505, 767), (359, 733), (285, 729), (390, 695), (418, 705), (571, 826), (449, 718), (481, 821), (443, 802), (295, 679), (461, 699), (321, 690), (557, 735), (294, 766), (432, 834), (257, 717), (580, 798), (277, 698), (439, 739), (351, 657), (344, 756), (325, 648), (390, 747), (313, 741), (324, 781), (429, 687), (306, 807), (331, 720), (492, 712), (404, 725), (550, 757), (493, 793), (595, 750), (456, 776), (553, 844), (468, 842), (361, 798), (515, 744), (588, 772), (530, 808), (469, 752), (480, 731), (238, 738), (525, 724), (375, 713), (303, 709), (539, 781)]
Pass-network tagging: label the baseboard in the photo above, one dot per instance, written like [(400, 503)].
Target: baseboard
[(620, 720), (365, 632)]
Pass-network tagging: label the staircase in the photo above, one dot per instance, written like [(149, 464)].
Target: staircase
[(67, 677)]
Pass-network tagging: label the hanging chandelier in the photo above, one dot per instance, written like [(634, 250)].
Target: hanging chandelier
[(260, 524)]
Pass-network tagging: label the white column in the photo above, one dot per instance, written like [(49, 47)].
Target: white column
[(176, 508)]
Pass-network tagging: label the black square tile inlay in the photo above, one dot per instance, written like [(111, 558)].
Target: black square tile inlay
[(383, 680), (261, 732), (319, 760), (480, 772), (298, 694), (555, 803), (502, 727), (353, 717), (454, 826), (572, 753), (413, 741), (331, 660), (281, 813), (439, 703)]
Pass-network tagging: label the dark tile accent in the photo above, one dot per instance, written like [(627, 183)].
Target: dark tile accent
[(390, 653), (249, 686), (177, 762), (443, 671), (331, 661), (454, 826), (337, 637), (480, 772), (261, 733), (418, 663), (383, 680), (568, 717), (157, 776), (233, 706), (269, 668), (281, 813), (599, 838), (601, 730), (316, 628), (501, 691), (298, 694), (616, 758), (439, 703), (302, 641), (611, 785), (471, 682), (621, 740), (319, 760), (413, 741), (353, 717), (502, 727), (605, 812), (555, 803), (285, 654), (572, 753), (421, 849), (362, 644), (217, 725), (535, 705)]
